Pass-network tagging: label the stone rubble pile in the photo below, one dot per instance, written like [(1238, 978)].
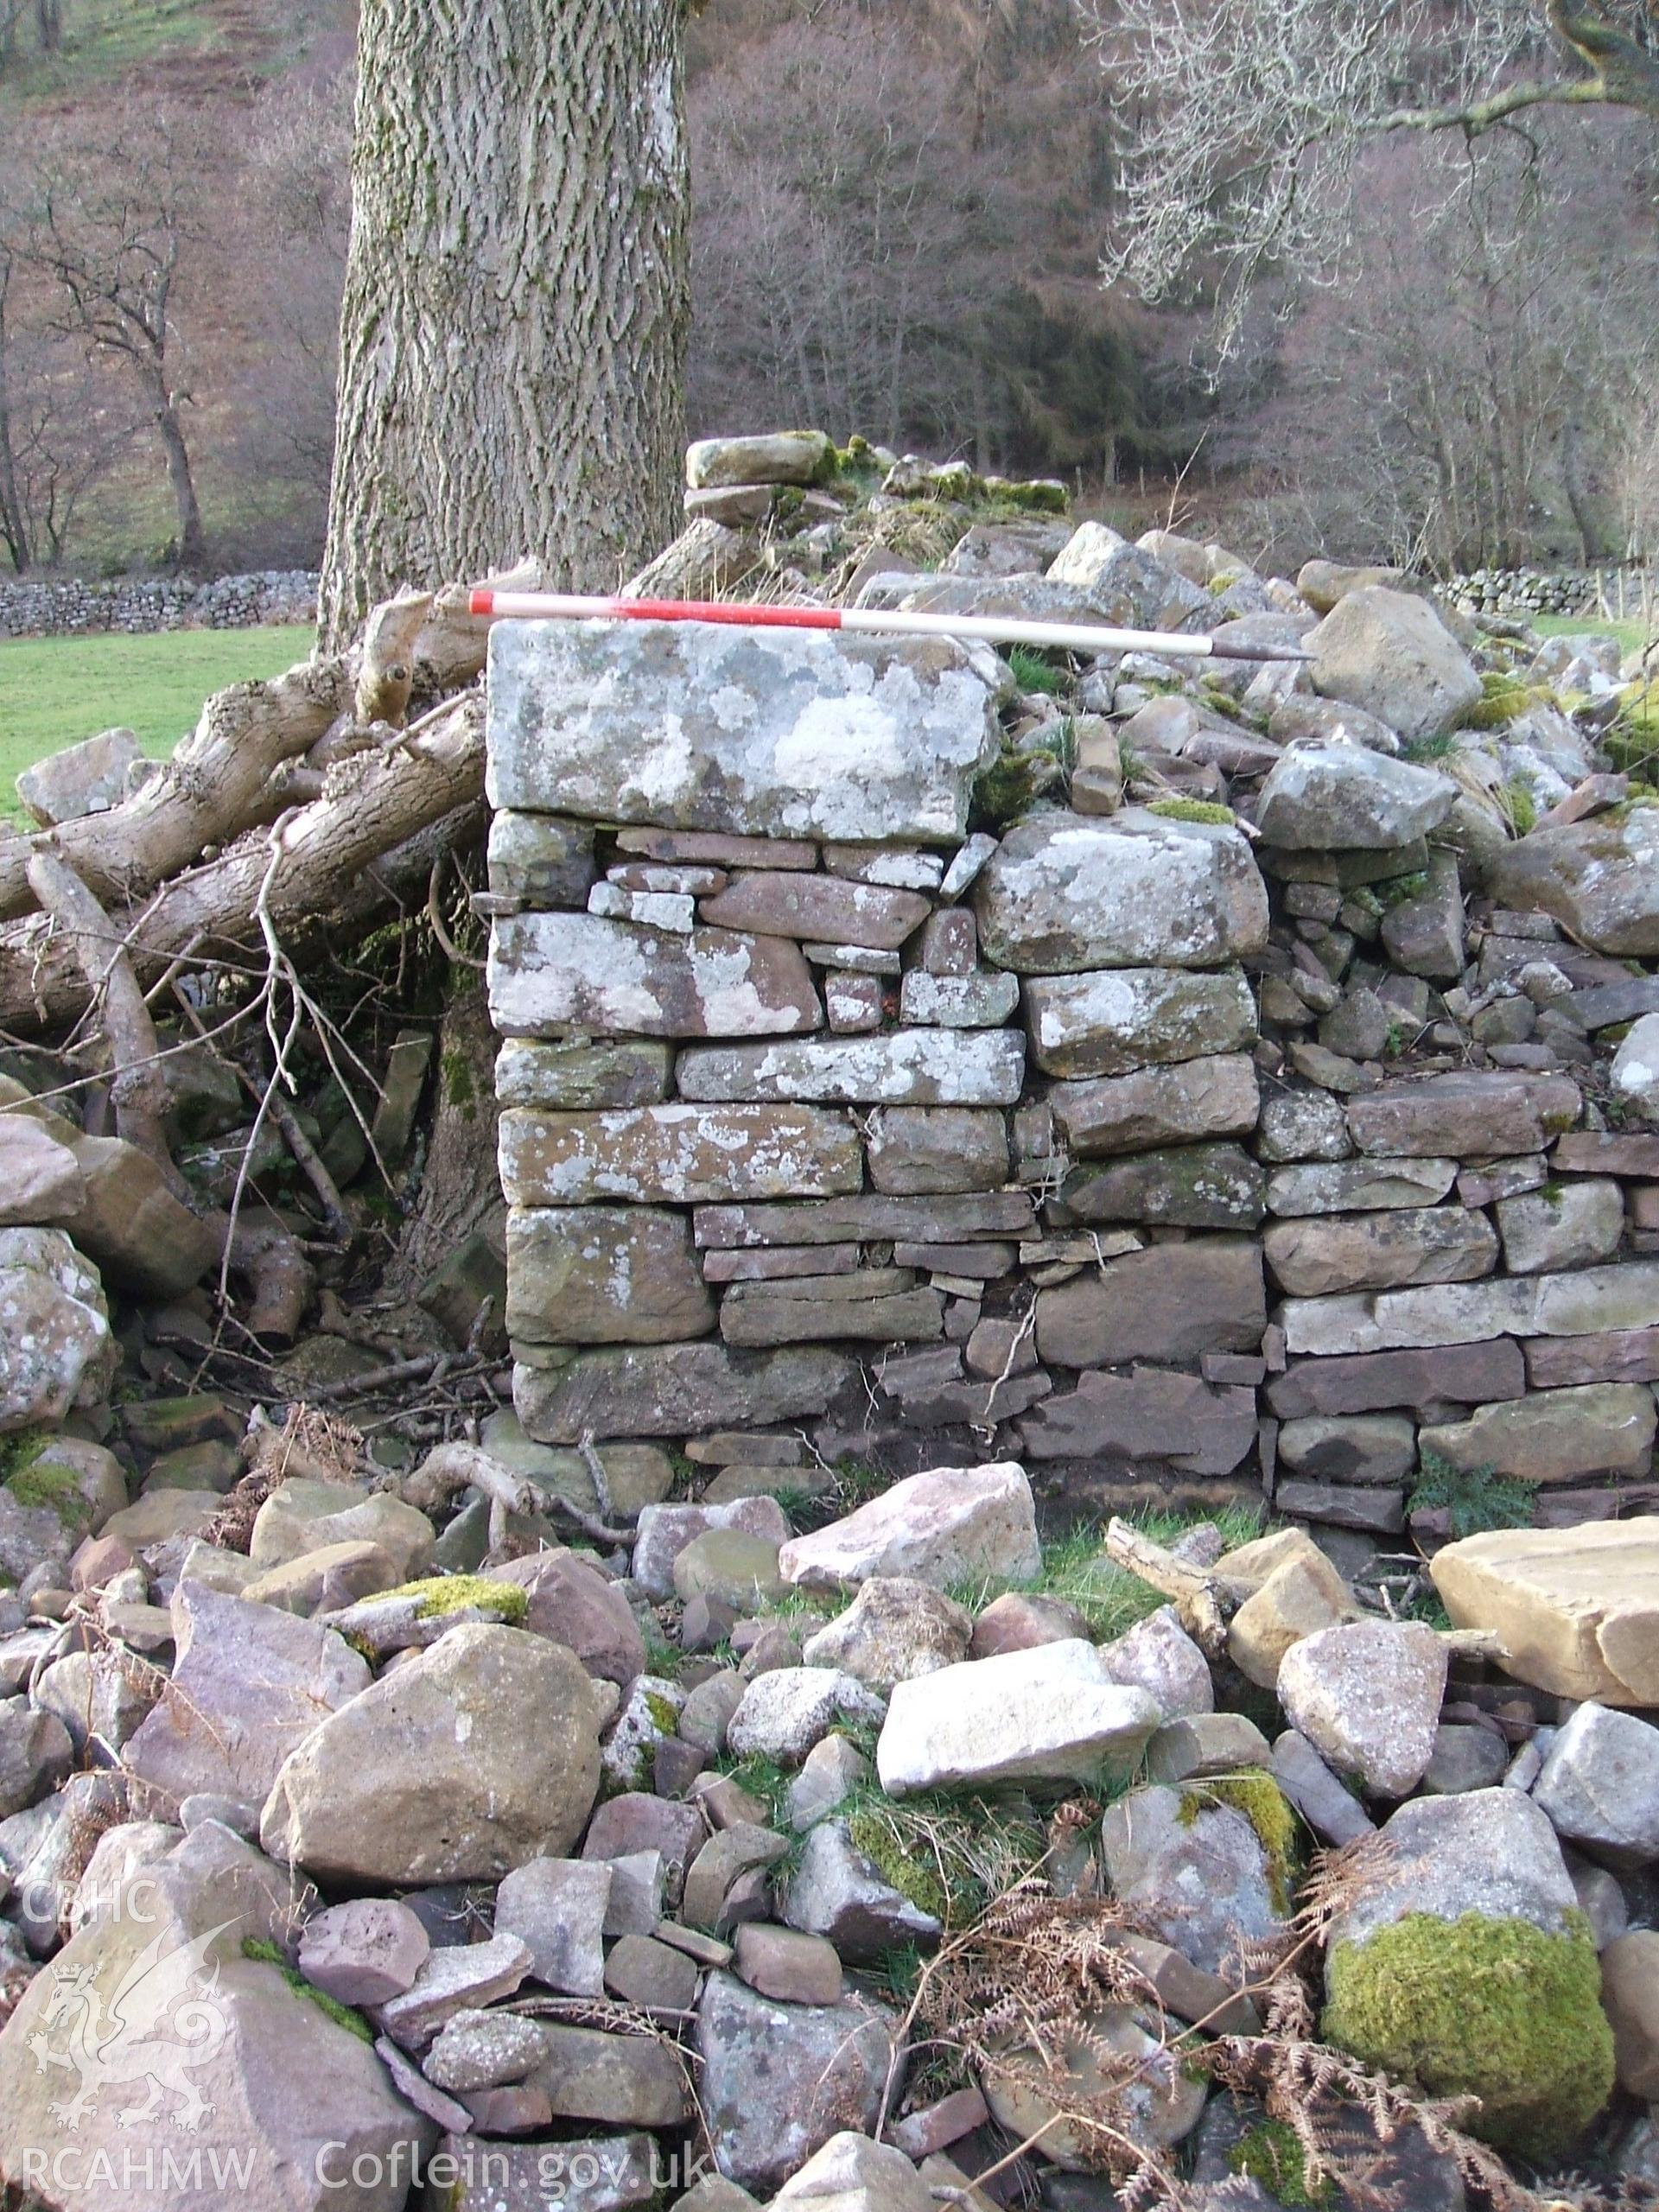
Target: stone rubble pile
[(944, 1098)]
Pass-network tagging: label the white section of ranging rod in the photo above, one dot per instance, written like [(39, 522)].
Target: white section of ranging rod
[(988, 629)]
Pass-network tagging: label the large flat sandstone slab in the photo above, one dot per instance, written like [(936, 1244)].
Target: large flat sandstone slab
[(769, 732), (678, 1154), (1576, 1610), (550, 974)]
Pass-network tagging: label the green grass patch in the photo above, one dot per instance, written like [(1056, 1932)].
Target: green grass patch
[(950, 1855), (103, 40), (1631, 635), (54, 691), (1033, 671), (1111, 1600)]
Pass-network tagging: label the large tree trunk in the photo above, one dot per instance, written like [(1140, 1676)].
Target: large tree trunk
[(513, 330)]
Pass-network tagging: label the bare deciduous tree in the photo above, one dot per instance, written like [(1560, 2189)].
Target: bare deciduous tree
[(1245, 119), (1470, 393), (108, 217), (64, 426)]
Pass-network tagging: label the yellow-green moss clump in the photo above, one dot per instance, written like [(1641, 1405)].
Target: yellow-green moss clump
[(1494, 2009), (1503, 698), (459, 1593), (912, 1878), (1254, 1793), (1271, 2154), (1194, 809), (36, 1481)]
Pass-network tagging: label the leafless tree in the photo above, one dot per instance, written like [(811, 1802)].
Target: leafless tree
[(109, 216), (64, 426), (283, 256), (1245, 120), (1472, 391), (48, 21)]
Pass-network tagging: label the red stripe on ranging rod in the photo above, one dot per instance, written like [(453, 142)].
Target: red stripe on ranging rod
[(876, 622), (529, 606)]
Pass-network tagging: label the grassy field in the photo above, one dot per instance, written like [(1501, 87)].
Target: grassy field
[(53, 691), (1631, 636)]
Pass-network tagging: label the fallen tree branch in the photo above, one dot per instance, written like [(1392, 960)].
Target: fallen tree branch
[(1200, 1598), (138, 1090), (371, 839), (209, 792), (448, 1469)]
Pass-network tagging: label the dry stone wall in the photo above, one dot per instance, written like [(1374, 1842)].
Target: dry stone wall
[(61, 606), (830, 1114)]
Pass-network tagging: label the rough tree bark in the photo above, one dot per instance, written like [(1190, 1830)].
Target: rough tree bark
[(513, 334)]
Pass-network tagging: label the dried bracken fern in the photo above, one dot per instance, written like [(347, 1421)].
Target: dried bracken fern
[(1019, 1995), (313, 1446), (1022, 1994), (1320, 2092)]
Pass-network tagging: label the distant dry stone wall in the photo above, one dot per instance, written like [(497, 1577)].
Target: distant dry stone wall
[(64, 606), (1546, 591)]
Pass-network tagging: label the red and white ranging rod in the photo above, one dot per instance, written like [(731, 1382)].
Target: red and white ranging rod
[(990, 629)]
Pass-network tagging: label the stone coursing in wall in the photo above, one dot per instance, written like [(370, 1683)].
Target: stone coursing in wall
[(817, 1103), (71, 607)]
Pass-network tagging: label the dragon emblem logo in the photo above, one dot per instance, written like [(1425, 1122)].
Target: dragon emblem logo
[(162, 2025)]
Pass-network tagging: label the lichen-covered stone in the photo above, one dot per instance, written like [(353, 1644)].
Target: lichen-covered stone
[(1114, 1021), (1344, 795), (623, 1072), (908, 1067), (1599, 878), (603, 1274), (682, 1154), (1390, 652), (553, 973), (1064, 894), (769, 732)]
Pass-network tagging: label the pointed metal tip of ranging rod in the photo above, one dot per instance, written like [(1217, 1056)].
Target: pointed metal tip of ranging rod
[(1236, 649)]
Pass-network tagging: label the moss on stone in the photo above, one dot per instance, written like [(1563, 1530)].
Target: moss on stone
[(664, 1714), (1271, 2154), (1504, 699), (255, 1947), (1194, 809), (40, 1483), (1004, 792), (457, 1593), (880, 1843), (1494, 2009), (1254, 1793)]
